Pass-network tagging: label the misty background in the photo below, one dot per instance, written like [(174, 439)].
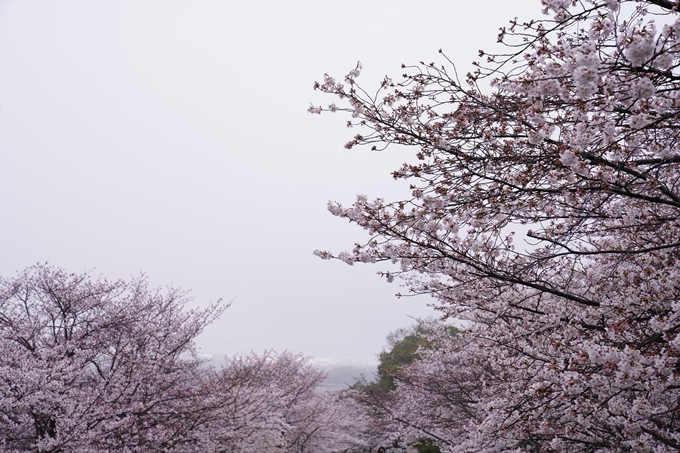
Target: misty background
[(172, 139)]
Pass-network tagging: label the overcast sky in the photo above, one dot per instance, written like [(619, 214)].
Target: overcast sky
[(172, 138)]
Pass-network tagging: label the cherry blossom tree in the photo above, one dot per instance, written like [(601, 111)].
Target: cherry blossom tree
[(91, 365), (88, 365), (545, 212), (273, 403)]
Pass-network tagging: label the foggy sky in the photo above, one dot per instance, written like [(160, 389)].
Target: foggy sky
[(172, 139)]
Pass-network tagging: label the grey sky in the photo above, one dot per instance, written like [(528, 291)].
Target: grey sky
[(172, 138)]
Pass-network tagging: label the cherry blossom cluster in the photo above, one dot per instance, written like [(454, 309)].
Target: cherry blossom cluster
[(89, 366), (545, 211)]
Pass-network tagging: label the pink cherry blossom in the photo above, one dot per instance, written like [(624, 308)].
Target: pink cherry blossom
[(545, 213)]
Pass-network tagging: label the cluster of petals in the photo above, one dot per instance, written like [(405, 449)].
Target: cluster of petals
[(545, 212)]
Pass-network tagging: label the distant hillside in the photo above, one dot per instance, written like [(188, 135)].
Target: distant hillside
[(340, 377)]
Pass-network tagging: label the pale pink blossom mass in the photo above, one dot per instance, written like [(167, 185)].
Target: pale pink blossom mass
[(545, 213)]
